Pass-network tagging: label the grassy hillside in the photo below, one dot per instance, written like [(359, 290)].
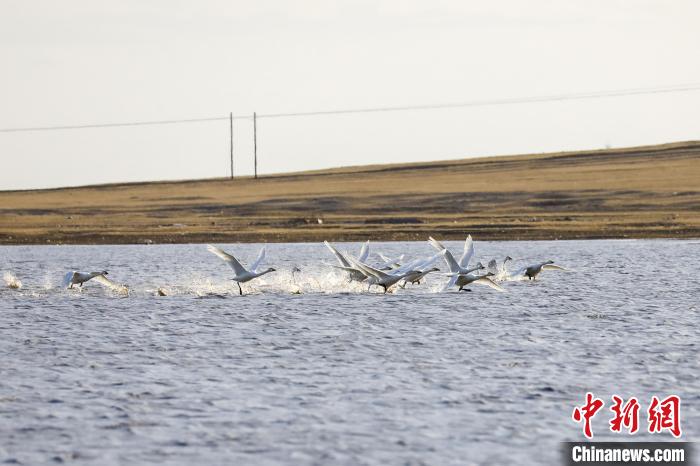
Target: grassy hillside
[(640, 192)]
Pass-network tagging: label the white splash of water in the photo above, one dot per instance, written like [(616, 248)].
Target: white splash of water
[(309, 280), (12, 281)]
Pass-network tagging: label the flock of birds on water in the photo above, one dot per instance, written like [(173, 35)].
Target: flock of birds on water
[(388, 274)]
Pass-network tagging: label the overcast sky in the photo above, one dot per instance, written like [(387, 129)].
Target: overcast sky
[(83, 62)]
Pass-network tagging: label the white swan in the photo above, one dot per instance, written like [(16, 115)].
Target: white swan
[(418, 275), (295, 289), (457, 268), (531, 271), (378, 277), (389, 264), (241, 274), (500, 271), (467, 279), (78, 278), (420, 268), (467, 255), (353, 272)]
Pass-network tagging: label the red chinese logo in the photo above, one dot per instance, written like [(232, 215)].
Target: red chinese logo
[(663, 415), (627, 415), (586, 413)]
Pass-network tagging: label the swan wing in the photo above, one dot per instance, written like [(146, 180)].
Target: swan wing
[(503, 269), (468, 252), (396, 263), (390, 263), (364, 252), (411, 266), (451, 262), (436, 244), (384, 258), (104, 281), (492, 266), (488, 282), (67, 279), (229, 259), (450, 283), (347, 269), (425, 263), (258, 261), (367, 270), (343, 261), (553, 267)]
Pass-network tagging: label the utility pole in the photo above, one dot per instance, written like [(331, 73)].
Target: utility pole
[(255, 145), (230, 117)]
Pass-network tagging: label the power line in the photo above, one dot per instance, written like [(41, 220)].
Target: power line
[(111, 125), (483, 103), (474, 103)]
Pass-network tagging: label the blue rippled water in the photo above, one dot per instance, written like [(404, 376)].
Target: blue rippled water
[(336, 375)]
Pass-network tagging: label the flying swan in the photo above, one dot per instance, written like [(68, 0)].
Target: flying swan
[(531, 271), (457, 268), (78, 278), (380, 278), (420, 268), (500, 271), (354, 273), (467, 279), (241, 274)]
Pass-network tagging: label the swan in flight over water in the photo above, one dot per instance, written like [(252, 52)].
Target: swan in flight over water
[(467, 279), (295, 289), (531, 271), (457, 268), (467, 255), (500, 272), (420, 268), (418, 275), (241, 274), (78, 278), (389, 263), (379, 277), (354, 273)]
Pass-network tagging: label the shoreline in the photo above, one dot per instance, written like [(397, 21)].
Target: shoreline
[(108, 242), (306, 236)]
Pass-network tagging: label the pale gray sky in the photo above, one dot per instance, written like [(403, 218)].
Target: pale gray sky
[(81, 62)]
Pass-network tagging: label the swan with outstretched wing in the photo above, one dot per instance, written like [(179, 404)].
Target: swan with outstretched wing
[(241, 274), (456, 268), (467, 279), (532, 271), (379, 277), (354, 273), (78, 278)]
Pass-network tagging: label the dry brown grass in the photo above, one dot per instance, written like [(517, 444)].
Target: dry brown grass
[(640, 192)]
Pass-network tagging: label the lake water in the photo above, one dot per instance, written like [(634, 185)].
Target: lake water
[(335, 374)]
